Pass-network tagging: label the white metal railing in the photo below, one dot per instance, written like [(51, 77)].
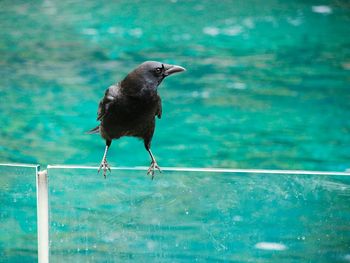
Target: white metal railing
[(207, 170), (36, 166), (43, 201)]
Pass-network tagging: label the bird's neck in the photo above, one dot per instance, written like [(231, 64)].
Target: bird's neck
[(140, 88)]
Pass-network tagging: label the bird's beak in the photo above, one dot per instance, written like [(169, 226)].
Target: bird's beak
[(171, 69)]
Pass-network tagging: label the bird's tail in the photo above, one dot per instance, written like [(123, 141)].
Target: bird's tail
[(94, 130)]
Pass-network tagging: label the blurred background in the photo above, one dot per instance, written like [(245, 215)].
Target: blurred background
[(266, 86)]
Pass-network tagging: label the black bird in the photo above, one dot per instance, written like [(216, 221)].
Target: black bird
[(129, 108)]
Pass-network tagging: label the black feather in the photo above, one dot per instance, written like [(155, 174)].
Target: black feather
[(94, 130)]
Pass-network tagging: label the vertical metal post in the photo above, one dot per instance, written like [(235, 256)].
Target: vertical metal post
[(42, 216)]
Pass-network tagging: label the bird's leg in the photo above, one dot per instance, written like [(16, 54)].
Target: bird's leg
[(104, 164), (153, 165)]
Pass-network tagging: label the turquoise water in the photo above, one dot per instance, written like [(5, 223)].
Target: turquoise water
[(18, 225), (198, 217), (266, 86), (178, 217)]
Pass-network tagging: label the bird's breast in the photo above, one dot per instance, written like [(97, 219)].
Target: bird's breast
[(130, 118)]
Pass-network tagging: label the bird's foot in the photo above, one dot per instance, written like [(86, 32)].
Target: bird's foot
[(105, 166), (152, 167)]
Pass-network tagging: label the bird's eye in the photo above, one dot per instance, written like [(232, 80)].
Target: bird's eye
[(158, 70)]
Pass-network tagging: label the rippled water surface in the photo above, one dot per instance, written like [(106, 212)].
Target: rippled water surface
[(267, 86)]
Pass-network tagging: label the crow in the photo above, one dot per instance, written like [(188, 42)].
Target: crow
[(129, 108)]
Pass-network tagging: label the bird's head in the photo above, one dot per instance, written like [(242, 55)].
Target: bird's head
[(149, 75)]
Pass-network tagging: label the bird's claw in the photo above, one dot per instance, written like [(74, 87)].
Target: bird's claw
[(105, 166), (152, 167)]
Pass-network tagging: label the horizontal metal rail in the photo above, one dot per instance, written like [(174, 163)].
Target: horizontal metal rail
[(20, 165), (207, 170), (186, 169)]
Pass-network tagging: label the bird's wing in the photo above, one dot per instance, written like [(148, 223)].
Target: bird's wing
[(110, 95), (159, 108)]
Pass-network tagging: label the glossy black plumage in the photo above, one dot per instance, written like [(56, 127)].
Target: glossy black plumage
[(129, 107)]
